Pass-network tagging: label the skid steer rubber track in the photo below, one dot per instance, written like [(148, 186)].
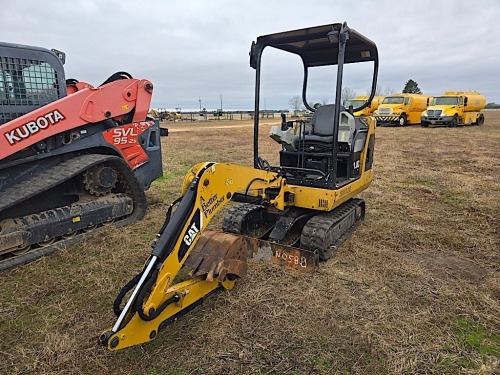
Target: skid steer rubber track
[(19, 240)]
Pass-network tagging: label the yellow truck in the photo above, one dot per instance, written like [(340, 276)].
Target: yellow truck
[(455, 108), (401, 109), (359, 101)]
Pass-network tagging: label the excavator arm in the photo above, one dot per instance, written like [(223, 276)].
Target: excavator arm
[(154, 300)]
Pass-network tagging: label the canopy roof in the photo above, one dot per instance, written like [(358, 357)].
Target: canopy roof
[(317, 46)]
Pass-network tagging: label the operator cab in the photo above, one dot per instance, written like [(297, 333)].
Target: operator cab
[(309, 161), (30, 77), (324, 150)]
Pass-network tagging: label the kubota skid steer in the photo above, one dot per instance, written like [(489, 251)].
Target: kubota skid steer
[(72, 157), (294, 212)]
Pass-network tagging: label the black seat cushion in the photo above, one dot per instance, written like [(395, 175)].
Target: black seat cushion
[(322, 129)]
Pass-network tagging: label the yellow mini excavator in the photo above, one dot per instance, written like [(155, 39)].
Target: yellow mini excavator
[(293, 213)]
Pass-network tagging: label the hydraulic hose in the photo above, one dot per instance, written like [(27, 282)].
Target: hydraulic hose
[(142, 295)]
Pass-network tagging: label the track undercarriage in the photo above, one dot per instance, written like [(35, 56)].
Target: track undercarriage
[(297, 238), (63, 203)]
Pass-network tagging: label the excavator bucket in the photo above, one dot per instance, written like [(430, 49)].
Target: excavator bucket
[(220, 254)]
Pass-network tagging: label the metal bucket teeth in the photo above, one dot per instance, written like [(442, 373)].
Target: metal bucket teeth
[(218, 255)]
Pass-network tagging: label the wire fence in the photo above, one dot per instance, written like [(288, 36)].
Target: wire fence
[(224, 116)]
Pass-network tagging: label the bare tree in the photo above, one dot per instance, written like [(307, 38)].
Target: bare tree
[(324, 101), (295, 103), (380, 91), (347, 93), (389, 91)]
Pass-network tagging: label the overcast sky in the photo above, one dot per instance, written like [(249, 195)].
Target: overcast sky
[(199, 49)]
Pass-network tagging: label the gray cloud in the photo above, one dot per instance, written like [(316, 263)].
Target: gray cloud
[(195, 49)]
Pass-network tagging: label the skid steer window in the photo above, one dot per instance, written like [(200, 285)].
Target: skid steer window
[(5, 92), (6, 97), (27, 82), (153, 140), (41, 83)]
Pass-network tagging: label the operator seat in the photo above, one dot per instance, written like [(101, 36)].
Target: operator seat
[(321, 137)]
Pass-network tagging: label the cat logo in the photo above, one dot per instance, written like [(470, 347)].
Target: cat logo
[(191, 234)]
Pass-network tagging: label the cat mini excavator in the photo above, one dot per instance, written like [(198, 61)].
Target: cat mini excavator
[(72, 157), (293, 213)]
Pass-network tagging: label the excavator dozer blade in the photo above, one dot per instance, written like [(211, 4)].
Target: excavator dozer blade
[(283, 255), (220, 254)]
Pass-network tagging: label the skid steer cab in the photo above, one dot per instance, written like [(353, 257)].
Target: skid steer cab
[(294, 213)]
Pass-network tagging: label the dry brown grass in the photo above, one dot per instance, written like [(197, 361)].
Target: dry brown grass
[(415, 290)]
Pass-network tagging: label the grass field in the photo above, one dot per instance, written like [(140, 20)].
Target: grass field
[(415, 290)]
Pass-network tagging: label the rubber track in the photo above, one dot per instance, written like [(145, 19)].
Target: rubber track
[(54, 176), (233, 219), (48, 179), (316, 229), (314, 232)]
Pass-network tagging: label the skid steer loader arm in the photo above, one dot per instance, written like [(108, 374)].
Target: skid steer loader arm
[(154, 301)]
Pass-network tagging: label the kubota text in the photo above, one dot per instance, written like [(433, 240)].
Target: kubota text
[(32, 127)]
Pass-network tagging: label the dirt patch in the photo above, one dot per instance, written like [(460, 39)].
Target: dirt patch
[(449, 267)]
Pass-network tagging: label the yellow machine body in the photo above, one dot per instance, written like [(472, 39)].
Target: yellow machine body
[(294, 214)]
